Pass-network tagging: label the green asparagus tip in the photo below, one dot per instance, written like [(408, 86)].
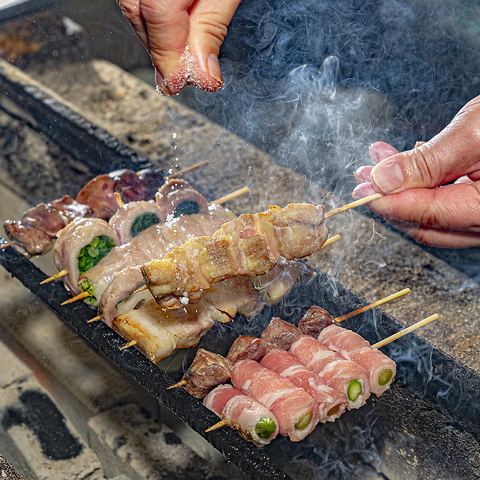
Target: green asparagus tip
[(384, 377), (265, 427), (354, 390), (304, 421)]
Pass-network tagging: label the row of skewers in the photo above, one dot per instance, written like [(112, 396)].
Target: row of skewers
[(178, 287), (292, 378)]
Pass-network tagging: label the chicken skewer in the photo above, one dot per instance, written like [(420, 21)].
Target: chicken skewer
[(249, 245)]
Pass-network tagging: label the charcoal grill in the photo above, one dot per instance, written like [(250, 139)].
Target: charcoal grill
[(432, 408), (426, 426)]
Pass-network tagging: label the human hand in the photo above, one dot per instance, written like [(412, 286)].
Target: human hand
[(416, 200), (183, 38)]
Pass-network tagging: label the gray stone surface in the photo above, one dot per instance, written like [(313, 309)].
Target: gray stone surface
[(133, 444), (44, 441)]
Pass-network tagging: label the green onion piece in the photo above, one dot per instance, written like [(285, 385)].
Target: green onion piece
[(143, 221), (304, 421), (86, 286), (333, 410), (186, 208), (92, 253), (354, 390), (384, 377), (266, 426)]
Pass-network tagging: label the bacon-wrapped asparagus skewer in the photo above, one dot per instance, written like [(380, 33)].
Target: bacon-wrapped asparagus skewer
[(250, 418), (331, 403), (295, 410)]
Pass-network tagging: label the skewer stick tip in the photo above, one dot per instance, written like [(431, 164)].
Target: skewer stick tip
[(331, 240), (129, 344), (94, 319), (60, 274), (178, 384), (382, 301), (354, 204), (192, 168), (9, 244), (219, 424), (78, 297), (230, 196), (405, 331)]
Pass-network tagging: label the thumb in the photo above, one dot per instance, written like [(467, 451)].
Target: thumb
[(452, 153), (209, 20)]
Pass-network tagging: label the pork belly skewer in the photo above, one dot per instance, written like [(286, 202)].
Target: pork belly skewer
[(158, 332), (225, 300), (295, 410), (250, 245), (250, 418)]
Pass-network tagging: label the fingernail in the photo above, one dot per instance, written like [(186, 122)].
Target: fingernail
[(363, 190), (161, 86), (214, 68), (388, 178), (374, 155), (362, 175)]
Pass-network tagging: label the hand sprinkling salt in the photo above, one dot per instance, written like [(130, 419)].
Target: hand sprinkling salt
[(183, 39)]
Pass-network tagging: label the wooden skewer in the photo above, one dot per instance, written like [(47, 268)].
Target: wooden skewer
[(129, 344), (230, 196), (9, 244), (196, 166), (120, 202), (94, 319), (331, 240), (219, 424), (78, 297), (60, 274), (403, 332), (357, 203), (178, 384), (382, 301)]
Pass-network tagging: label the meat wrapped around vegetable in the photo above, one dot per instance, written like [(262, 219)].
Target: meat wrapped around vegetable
[(250, 245)]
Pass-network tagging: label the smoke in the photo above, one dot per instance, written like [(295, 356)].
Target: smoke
[(313, 83)]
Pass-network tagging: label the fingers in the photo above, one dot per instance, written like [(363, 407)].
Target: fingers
[(183, 38), (448, 216), (449, 155), (381, 150), (209, 20)]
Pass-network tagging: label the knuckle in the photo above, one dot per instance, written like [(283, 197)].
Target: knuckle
[(212, 23), (424, 166)]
